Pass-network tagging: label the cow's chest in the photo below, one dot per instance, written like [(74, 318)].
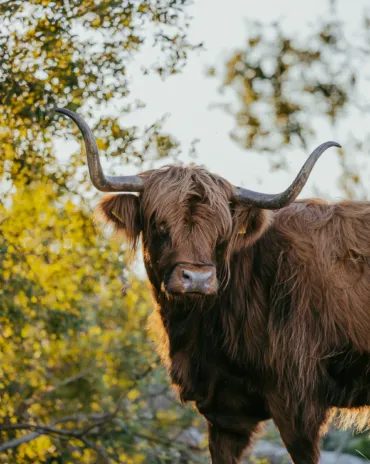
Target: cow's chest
[(202, 371), (216, 384)]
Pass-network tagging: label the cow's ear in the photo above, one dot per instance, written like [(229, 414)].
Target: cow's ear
[(123, 213), (249, 224)]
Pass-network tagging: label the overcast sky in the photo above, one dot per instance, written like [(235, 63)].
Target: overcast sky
[(221, 26)]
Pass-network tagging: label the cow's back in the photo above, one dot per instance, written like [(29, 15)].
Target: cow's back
[(319, 302), (325, 268)]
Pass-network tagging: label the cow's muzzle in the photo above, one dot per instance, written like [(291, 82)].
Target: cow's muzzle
[(192, 278)]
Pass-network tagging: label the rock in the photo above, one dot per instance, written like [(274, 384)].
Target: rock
[(278, 455), (191, 436)]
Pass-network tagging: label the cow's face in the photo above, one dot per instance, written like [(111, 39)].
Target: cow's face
[(189, 228)]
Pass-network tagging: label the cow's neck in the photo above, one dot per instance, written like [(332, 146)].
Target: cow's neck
[(244, 305), (217, 334)]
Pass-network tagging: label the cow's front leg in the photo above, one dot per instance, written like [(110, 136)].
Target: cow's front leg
[(300, 433), (303, 449), (227, 447)]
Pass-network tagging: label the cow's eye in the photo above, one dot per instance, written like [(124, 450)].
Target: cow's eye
[(163, 229), (220, 242)]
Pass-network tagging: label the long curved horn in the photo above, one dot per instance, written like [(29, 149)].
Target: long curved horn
[(279, 200), (99, 180)]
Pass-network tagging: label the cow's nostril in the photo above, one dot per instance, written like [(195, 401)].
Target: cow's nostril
[(186, 275), (200, 280)]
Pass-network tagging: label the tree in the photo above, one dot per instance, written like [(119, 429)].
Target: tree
[(79, 379), (288, 86)]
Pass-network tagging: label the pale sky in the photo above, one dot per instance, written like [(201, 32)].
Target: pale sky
[(187, 97)]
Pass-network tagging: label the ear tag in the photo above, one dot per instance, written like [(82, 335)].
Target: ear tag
[(242, 230), (115, 215)]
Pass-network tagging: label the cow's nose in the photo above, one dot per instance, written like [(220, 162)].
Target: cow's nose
[(195, 281), (189, 278)]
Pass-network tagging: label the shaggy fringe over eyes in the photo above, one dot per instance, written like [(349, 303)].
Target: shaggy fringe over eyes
[(122, 212), (171, 191)]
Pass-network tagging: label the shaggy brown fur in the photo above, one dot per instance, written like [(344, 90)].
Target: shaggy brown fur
[(288, 335)]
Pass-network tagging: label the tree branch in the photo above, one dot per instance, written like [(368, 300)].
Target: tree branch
[(19, 441)]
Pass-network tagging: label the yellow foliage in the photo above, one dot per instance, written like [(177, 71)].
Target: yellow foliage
[(71, 345)]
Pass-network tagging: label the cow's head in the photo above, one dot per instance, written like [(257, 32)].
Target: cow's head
[(190, 220), (189, 225)]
